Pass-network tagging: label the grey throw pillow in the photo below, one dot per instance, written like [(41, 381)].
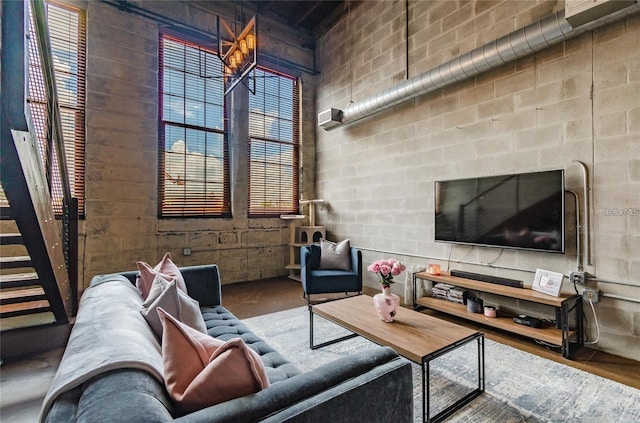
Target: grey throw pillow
[(166, 295), (335, 256)]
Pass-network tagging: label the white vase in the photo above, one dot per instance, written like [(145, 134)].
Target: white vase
[(386, 304)]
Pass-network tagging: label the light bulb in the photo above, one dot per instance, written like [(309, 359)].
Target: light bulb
[(232, 62), (251, 41), (243, 47), (238, 56)]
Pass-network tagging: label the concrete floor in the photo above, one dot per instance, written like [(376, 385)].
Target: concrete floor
[(24, 383)]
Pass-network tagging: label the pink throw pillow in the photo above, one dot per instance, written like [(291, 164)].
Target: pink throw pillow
[(200, 371), (166, 268)]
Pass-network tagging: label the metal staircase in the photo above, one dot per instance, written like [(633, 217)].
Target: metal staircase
[(38, 247), (23, 302)]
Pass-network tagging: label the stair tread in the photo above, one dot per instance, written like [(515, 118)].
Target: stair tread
[(33, 291), (14, 259), (11, 239), (34, 306), (18, 277), (27, 321)]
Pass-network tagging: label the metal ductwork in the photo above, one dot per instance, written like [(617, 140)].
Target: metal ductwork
[(535, 37)]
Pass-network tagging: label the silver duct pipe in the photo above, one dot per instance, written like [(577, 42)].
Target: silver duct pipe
[(532, 38)]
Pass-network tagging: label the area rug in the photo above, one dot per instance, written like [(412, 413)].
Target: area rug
[(519, 387)]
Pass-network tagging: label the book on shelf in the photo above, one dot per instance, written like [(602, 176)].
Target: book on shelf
[(449, 292)]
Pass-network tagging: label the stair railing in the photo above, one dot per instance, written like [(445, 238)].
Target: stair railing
[(55, 142)]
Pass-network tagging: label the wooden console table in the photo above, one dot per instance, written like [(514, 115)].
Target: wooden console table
[(566, 336)]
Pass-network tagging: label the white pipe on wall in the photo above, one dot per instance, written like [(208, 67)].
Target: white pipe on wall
[(578, 243), (585, 199)]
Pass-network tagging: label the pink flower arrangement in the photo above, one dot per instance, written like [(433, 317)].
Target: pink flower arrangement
[(386, 270)]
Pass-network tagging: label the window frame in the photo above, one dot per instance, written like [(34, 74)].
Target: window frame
[(193, 208), (293, 195)]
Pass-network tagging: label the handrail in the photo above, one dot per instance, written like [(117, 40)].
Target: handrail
[(55, 135)]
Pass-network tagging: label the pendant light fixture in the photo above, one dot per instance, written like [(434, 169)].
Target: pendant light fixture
[(238, 53)]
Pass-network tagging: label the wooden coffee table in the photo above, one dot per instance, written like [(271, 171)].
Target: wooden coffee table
[(418, 337)]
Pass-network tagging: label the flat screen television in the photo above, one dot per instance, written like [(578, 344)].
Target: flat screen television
[(522, 211)]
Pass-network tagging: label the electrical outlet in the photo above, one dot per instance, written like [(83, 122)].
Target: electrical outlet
[(589, 294), (577, 277)]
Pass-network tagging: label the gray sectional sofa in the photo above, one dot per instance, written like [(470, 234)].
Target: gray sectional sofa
[(372, 386)]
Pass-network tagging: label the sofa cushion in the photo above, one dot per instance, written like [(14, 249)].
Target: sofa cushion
[(223, 325), (201, 371), (166, 295), (335, 255), (166, 267), (332, 281)]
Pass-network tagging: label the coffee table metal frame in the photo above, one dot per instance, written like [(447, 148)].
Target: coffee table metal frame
[(461, 402), (424, 363)]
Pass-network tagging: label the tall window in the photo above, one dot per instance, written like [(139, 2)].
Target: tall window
[(273, 145), (67, 32), (193, 161)]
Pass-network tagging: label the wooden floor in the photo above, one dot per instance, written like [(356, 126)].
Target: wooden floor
[(255, 298)]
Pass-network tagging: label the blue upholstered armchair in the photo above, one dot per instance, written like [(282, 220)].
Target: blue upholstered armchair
[(325, 281)]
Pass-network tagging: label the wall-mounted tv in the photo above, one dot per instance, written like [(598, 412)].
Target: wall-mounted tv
[(523, 211)]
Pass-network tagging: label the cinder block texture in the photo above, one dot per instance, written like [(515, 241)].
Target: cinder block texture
[(121, 223), (577, 100)]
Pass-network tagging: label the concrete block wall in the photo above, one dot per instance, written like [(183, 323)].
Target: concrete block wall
[(575, 101), (121, 225)]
